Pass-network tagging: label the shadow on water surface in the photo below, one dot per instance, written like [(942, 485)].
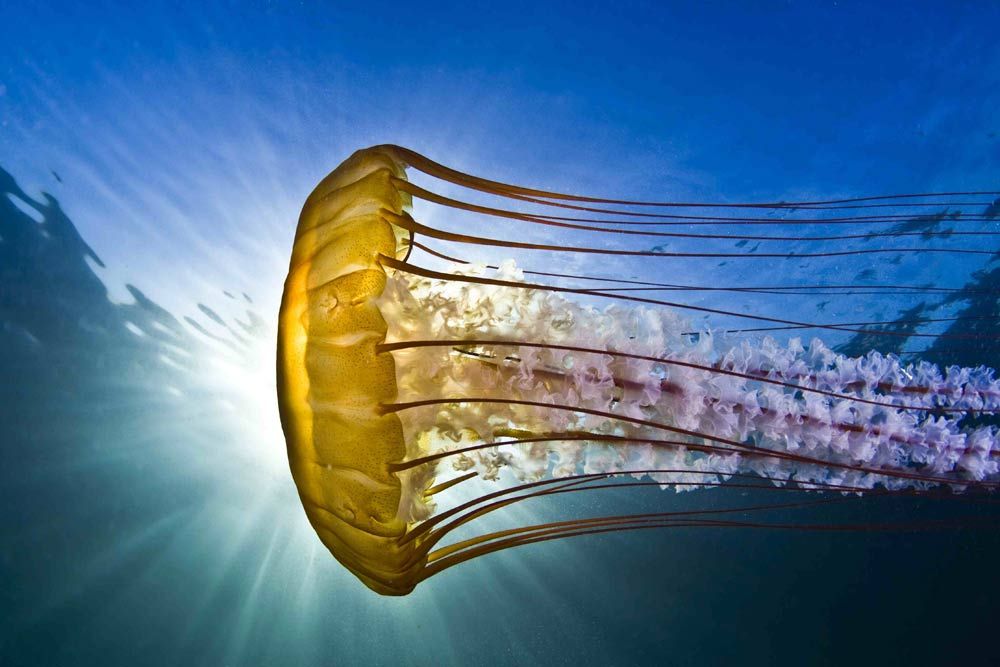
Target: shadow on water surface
[(976, 318), (112, 437)]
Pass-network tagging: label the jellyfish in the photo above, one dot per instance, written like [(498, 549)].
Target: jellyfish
[(406, 370)]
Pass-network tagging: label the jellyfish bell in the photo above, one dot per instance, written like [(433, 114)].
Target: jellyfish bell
[(388, 369), (331, 380)]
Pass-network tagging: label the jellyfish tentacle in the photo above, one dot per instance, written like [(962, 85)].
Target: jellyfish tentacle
[(495, 501), (737, 445), (676, 220), (434, 537), (428, 273), (408, 223), (427, 195), (432, 168), (769, 289), (480, 545), (626, 525), (578, 483), (456, 547), (444, 486), (760, 376), (623, 440), (784, 289)]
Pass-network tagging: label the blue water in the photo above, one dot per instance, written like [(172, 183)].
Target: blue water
[(154, 162)]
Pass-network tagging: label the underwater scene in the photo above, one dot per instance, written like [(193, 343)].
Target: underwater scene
[(542, 333)]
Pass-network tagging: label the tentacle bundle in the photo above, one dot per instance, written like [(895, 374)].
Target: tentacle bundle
[(331, 380), (490, 372)]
